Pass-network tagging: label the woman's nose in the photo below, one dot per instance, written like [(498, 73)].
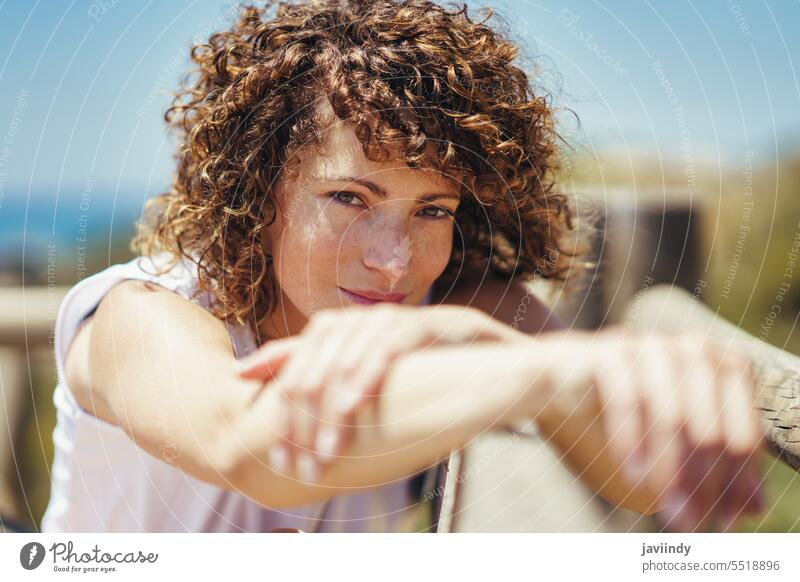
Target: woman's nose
[(387, 248)]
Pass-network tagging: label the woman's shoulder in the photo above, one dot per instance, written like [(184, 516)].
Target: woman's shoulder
[(147, 290), (177, 275), (159, 292), (83, 298)]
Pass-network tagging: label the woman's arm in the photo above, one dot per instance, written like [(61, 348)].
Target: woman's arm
[(432, 401), (164, 368), (581, 431), (578, 436), (157, 366)]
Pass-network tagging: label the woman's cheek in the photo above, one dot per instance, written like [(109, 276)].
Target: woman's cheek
[(305, 247), (435, 245), (313, 230)]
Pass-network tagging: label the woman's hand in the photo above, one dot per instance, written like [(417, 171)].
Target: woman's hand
[(337, 364), (679, 416)]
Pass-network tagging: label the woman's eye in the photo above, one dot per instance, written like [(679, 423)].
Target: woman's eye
[(351, 199), (346, 198), (437, 212)]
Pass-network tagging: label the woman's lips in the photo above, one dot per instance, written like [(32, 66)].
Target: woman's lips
[(366, 297)]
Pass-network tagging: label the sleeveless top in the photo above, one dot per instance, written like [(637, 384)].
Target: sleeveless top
[(101, 481)]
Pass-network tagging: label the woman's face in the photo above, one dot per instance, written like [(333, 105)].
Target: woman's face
[(353, 231)]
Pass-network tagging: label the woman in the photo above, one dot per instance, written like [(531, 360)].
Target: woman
[(376, 157)]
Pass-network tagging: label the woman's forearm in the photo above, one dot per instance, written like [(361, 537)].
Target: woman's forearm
[(431, 402)]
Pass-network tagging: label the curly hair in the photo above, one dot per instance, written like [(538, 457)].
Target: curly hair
[(411, 73)]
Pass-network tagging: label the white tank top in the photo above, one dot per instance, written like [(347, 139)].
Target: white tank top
[(101, 481)]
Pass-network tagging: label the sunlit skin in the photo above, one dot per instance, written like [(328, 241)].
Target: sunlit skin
[(347, 223)]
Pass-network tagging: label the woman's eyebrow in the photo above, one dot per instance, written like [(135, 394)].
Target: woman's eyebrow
[(381, 192), (438, 195)]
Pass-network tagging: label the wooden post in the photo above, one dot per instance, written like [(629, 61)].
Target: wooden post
[(12, 393)]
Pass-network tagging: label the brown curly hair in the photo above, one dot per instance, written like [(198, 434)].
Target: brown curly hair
[(427, 74)]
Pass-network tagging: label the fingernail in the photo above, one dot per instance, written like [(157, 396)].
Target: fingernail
[(279, 458), (327, 439), (307, 468)]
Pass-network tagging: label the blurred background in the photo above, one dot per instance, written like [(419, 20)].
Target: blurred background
[(682, 130)]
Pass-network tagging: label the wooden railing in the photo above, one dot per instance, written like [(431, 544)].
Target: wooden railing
[(27, 316)]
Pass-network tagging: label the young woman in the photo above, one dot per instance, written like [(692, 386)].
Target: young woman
[(363, 189)]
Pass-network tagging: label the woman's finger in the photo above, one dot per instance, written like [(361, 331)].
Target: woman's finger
[(711, 482), (687, 506), (745, 444), (741, 419), (741, 434), (619, 408), (343, 430), (700, 407), (265, 363), (675, 504), (709, 487), (365, 384), (327, 340), (279, 452), (352, 355), (679, 501), (360, 366), (324, 349), (666, 369), (746, 495), (288, 381), (704, 433), (366, 361), (305, 421), (731, 397), (335, 429), (659, 381), (319, 435), (708, 459)]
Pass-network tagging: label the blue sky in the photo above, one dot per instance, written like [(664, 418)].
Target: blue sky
[(84, 84)]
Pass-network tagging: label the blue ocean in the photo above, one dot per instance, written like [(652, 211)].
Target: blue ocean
[(70, 224)]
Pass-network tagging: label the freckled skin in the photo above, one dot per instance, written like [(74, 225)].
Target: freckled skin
[(357, 240)]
